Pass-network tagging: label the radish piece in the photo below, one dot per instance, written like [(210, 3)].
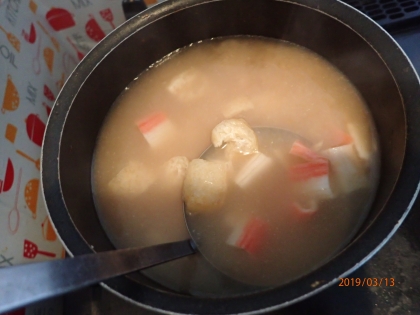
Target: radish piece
[(250, 236), (256, 165), (237, 106), (300, 150), (133, 179), (304, 211), (188, 85), (347, 168), (318, 146), (155, 128), (316, 187), (359, 141)]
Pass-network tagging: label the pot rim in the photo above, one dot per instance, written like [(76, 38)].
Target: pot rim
[(374, 237)]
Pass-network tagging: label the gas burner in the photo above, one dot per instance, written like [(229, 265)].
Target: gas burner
[(389, 13)]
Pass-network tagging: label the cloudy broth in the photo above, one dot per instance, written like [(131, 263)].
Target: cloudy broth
[(164, 119)]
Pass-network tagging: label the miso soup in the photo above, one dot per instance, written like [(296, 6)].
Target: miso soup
[(278, 211)]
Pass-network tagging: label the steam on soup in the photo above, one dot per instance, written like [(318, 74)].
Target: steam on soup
[(264, 209)]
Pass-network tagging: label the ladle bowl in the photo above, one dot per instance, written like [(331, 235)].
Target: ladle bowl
[(34, 282), (31, 283)]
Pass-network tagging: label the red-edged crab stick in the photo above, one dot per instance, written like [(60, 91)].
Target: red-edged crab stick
[(155, 128), (250, 236), (311, 176)]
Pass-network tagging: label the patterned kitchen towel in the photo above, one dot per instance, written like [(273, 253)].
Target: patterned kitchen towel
[(41, 41)]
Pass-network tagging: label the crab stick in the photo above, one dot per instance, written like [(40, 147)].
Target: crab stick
[(250, 236), (312, 178), (300, 150), (347, 168), (339, 138), (155, 128), (308, 170), (255, 166)]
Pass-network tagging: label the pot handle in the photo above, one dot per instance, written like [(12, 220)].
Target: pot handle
[(26, 284), (132, 7)]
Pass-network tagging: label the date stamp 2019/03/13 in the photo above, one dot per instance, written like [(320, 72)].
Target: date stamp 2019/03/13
[(366, 282)]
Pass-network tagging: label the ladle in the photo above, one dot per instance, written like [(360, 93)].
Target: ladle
[(26, 284)]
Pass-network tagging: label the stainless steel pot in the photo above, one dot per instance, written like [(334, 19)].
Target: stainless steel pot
[(357, 46)]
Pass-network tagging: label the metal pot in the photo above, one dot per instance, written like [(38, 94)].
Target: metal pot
[(357, 46)]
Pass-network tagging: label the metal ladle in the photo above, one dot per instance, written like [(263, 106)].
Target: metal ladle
[(26, 284)]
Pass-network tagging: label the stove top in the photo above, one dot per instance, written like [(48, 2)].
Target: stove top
[(392, 276)]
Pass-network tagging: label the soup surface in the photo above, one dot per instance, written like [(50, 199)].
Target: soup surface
[(286, 209)]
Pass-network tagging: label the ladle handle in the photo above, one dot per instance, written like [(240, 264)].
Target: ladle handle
[(26, 284)]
